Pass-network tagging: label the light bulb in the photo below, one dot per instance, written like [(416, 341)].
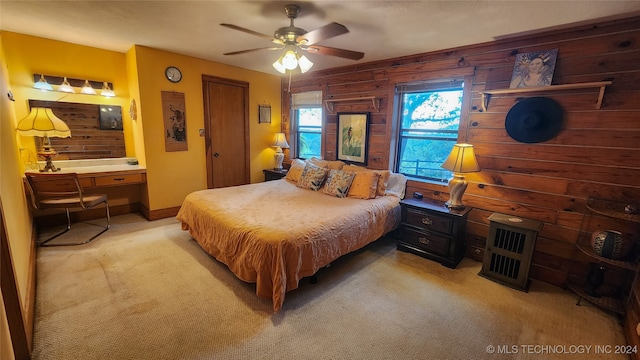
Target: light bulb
[(289, 60), (87, 89), (42, 84), (305, 64), (278, 66), (106, 90), (66, 87)]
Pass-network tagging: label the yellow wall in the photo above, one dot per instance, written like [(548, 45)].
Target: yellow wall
[(172, 175), (28, 55), (17, 219)]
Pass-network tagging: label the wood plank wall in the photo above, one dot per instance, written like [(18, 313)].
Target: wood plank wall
[(87, 141), (596, 154)]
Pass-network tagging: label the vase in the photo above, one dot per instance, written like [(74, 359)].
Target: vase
[(610, 244)]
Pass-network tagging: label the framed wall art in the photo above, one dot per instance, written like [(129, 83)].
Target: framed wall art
[(353, 137), (110, 117), (175, 121), (534, 69), (264, 114)]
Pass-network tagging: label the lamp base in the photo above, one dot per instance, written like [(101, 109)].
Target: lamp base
[(47, 154), (457, 186), (279, 158)]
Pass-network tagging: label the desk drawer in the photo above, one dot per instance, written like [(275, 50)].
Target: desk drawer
[(115, 180), (428, 221), (428, 242)]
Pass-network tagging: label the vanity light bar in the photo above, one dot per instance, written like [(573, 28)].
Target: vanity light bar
[(78, 83)]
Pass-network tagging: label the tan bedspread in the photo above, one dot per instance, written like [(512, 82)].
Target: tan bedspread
[(274, 233)]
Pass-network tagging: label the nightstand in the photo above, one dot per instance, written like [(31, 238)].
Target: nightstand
[(429, 229), (273, 174)]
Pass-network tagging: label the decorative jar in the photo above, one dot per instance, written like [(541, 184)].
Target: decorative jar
[(610, 244)]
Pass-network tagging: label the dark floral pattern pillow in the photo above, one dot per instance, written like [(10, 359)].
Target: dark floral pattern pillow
[(312, 177), (338, 183)]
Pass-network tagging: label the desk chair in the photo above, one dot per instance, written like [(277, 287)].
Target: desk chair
[(63, 191)]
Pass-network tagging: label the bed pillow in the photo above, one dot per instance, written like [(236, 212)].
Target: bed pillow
[(336, 164), (364, 185), (396, 185), (338, 183), (295, 171), (382, 180), (312, 177)]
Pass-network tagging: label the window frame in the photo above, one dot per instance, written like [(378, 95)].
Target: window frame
[(296, 130), (305, 100), (426, 85)]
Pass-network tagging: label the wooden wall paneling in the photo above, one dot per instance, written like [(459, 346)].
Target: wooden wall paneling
[(87, 141), (597, 152)]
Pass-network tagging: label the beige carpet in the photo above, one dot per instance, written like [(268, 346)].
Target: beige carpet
[(145, 290)]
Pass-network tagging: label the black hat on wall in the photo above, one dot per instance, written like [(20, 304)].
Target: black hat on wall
[(534, 120)]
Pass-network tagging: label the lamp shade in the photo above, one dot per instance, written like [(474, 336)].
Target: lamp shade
[(462, 159), (42, 84), (42, 122), (280, 141)]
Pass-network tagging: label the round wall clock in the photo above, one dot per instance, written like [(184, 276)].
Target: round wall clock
[(173, 74)]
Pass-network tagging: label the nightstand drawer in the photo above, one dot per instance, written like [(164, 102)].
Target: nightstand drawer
[(426, 241), (428, 221)]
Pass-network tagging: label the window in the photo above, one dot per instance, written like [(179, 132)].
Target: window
[(306, 131), (428, 118), (309, 121)]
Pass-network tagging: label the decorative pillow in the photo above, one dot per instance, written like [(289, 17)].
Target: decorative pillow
[(382, 181), (318, 162), (312, 177), (338, 183), (364, 185), (336, 164), (295, 171), (396, 185)]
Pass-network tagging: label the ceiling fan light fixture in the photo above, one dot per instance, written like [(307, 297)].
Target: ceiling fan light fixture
[(290, 60), (305, 64)]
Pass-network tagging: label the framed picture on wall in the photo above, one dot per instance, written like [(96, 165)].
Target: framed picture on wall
[(264, 114), (175, 121), (110, 117), (353, 137), (534, 69)]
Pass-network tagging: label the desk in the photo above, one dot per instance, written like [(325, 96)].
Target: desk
[(119, 181)]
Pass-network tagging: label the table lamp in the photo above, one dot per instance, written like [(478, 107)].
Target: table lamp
[(461, 160), (279, 142), (42, 122)]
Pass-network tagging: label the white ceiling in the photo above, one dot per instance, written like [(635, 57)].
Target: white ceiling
[(380, 29)]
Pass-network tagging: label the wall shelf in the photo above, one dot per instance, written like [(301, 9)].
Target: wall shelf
[(330, 104), (486, 95)]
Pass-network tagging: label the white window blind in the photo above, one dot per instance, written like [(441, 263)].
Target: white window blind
[(306, 99)]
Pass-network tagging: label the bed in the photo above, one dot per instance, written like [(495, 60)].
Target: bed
[(275, 233)]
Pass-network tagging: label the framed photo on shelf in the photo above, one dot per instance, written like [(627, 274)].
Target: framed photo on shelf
[(110, 117), (264, 114), (353, 137)]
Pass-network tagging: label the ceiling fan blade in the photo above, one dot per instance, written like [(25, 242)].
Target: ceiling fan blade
[(325, 50), (322, 33), (270, 38), (251, 50)]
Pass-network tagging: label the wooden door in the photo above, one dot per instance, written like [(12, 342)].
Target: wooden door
[(226, 114)]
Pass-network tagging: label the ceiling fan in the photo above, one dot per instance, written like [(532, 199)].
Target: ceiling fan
[(293, 38)]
